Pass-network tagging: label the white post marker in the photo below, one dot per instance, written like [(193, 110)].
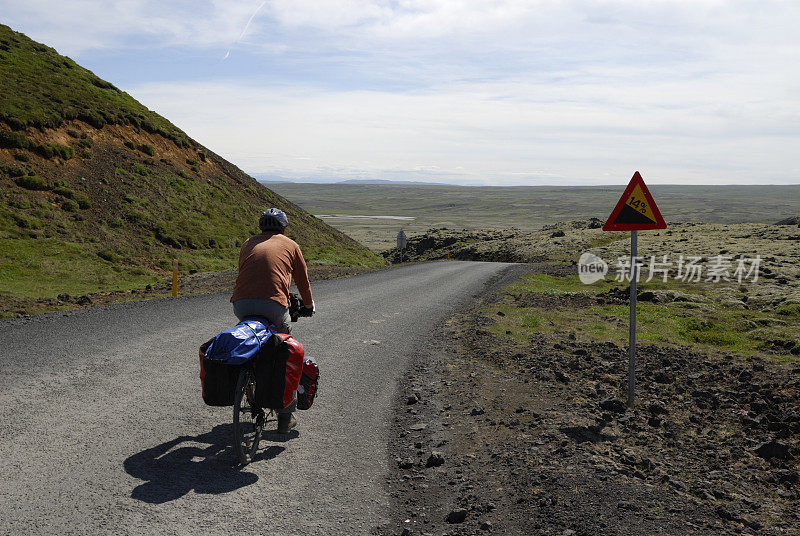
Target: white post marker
[(635, 211), (402, 242)]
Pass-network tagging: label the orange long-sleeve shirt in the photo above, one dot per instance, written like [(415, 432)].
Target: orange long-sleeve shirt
[(267, 263)]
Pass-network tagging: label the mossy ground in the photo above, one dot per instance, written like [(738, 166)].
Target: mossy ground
[(117, 220), (43, 89), (563, 307)]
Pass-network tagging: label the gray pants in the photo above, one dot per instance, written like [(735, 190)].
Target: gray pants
[(269, 309), (275, 313)]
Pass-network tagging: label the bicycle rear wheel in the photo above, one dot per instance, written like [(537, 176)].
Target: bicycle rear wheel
[(248, 421)]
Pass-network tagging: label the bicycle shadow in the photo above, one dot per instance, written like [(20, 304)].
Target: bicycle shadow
[(170, 472)]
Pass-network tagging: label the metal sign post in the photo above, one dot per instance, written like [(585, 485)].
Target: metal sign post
[(632, 326), (635, 211)]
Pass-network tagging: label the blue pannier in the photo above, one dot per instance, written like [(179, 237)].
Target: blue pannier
[(241, 343), (221, 357)]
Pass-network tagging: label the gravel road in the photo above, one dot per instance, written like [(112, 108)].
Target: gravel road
[(104, 430)]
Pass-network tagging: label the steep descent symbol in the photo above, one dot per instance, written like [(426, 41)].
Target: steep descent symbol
[(636, 210)]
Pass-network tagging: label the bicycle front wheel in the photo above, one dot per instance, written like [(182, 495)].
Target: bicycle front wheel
[(248, 421)]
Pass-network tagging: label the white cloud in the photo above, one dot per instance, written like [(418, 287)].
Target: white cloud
[(482, 90), (107, 24), (306, 132)]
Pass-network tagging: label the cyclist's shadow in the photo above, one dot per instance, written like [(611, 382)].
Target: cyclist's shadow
[(173, 472)]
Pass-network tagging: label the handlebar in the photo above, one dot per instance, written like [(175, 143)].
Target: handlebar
[(297, 308)]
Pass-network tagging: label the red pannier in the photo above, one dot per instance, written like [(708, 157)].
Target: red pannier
[(307, 389), (278, 369)]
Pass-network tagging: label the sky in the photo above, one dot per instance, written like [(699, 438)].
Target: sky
[(476, 92)]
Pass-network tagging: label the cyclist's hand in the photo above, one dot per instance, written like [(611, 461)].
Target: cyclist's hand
[(308, 311)]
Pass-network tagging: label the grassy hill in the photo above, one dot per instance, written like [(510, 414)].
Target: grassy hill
[(99, 193)]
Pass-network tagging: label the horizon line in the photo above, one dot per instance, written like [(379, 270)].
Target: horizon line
[(387, 182)]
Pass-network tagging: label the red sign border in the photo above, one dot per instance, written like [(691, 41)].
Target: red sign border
[(659, 224)]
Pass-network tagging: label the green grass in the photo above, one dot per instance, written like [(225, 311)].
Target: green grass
[(608, 238), (67, 237), (705, 326), (15, 140), (44, 268), (710, 324), (147, 149), (32, 182), (49, 89), (789, 308), (161, 209)]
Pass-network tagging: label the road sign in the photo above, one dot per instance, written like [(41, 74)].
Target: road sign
[(635, 210)]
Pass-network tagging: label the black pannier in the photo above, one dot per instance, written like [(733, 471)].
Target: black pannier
[(218, 379)]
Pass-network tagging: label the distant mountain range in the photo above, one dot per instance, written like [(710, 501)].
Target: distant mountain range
[(267, 178), (387, 181)]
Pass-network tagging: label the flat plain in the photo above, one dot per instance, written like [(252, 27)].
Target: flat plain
[(526, 208)]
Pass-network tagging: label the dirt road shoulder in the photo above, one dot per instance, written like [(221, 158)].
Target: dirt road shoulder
[(497, 436)]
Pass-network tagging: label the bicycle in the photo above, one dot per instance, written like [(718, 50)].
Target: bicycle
[(248, 418)]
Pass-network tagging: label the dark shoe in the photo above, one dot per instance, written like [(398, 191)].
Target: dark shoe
[(286, 421)]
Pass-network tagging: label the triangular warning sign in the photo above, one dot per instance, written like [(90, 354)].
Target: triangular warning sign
[(636, 210)]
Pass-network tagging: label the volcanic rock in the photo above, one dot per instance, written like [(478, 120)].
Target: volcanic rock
[(435, 459), (457, 516), (773, 449), (614, 405)]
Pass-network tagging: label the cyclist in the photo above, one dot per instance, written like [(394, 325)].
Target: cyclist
[(267, 264)]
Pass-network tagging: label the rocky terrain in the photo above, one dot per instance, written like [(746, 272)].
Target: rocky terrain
[(564, 242), (530, 435), (775, 245)]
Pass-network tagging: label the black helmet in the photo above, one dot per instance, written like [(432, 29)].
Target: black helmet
[(273, 219)]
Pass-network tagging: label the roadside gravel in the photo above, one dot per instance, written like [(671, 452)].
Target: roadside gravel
[(493, 436)]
